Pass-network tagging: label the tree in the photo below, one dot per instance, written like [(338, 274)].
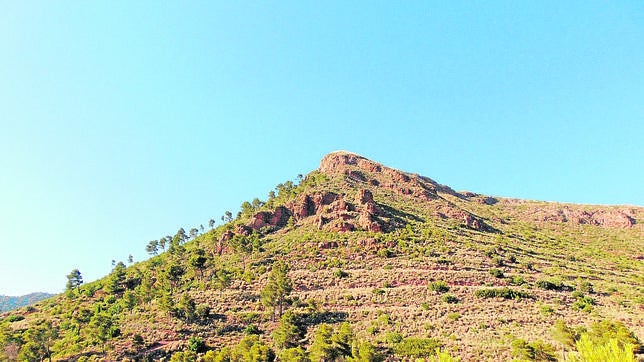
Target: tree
[(246, 208), (290, 332), (297, 354), (176, 243), (129, 300), (227, 217), (196, 344), (164, 241), (211, 223), (257, 203), (222, 280), (278, 288), (38, 342), (153, 247), (102, 329), (252, 349), (186, 308), (242, 244), (322, 348), (174, 272), (198, 261), (130, 259), (180, 237), (74, 280), (343, 339), (193, 233), (116, 279)]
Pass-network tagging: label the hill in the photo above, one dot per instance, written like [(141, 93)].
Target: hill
[(357, 261), (8, 303)]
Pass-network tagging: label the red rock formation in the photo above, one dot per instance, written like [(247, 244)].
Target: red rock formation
[(355, 167), (617, 218)]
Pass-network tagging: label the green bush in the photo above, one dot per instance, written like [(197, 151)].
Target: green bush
[(438, 287), (15, 318), (416, 347), (393, 337), (598, 351), (296, 354), (449, 298), (535, 351), (586, 287), (550, 284), (339, 273), (584, 304), (196, 344), (385, 253), (497, 273), (505, 293), (252, 329)]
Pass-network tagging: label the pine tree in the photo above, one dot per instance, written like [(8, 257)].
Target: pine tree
[(74, 280), (278, 288)]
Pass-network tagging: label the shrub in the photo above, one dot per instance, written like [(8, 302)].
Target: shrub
[(584, 304), (137, 340), (505, 293), (547, 310), (438, 287), (586, 287), (550, 284), (187, 356), (416, 347), (252, 329), (535, 351), (498, 261), (497, 273), (443, 356), (196, 344), (250, 348), (517, 280), (15, 318), (203, 311), (339, 273), (393, 337), (606, 330), (449, 298), (597, 351), (297, 354), (385, 253)]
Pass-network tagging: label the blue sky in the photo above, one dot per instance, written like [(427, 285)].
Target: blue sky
[(122, 122)]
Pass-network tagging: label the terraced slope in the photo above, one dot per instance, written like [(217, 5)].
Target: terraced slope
[(395, 255)]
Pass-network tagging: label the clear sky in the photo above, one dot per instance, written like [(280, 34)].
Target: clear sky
[(121, 121)]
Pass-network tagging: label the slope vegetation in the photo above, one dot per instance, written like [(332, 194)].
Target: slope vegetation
[(360, 262)]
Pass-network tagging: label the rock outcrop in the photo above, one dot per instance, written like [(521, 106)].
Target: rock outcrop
[(360, 169), (614, 218)]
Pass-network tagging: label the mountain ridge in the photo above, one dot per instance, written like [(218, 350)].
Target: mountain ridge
[(8, 302), (395, 257)]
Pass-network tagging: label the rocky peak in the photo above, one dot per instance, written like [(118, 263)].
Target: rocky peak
[(340, 162), (361, 169)]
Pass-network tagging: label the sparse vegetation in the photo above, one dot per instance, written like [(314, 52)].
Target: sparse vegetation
[(305, 286)]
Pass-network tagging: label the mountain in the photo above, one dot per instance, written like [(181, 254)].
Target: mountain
[(357, 261), (8, 302)]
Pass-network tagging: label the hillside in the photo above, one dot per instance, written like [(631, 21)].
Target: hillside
[(365, 263), (8, 303)]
